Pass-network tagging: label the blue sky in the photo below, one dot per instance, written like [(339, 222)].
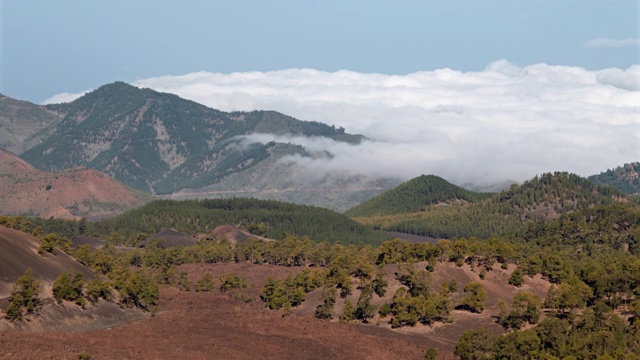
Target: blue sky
[(48, 47)]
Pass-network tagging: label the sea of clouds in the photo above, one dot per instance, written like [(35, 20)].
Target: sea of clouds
[(503, 123)]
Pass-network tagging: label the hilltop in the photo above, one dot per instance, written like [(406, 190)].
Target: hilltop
[(413, 196), (544, 197), (68, 194), (624, 178)]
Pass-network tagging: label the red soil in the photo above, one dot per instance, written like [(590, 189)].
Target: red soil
[(69, 194)]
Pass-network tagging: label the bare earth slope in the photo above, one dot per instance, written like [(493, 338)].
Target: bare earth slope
[(18, 251), (68, 194), (193, 325)]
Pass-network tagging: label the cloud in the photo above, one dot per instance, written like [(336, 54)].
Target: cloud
[(611, 43), (485, 127), (64, 97), (628, 79)]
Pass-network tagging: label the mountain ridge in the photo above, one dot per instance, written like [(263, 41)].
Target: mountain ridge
[(162, 144), (544, 197)]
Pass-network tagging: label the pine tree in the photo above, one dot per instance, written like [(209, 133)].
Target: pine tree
[(25, 297)]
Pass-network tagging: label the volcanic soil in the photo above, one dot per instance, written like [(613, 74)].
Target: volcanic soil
[(69, 194), (236, 325)]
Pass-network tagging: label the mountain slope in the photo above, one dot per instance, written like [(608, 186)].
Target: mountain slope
[(160, 143), (413, 196), (68, 194), (18, 252), (277, 218), (23, 124), (624, 178), (544, 197)]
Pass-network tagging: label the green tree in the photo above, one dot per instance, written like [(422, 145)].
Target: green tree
[(349, 312), (183, 282), (47, 244), (99, 289), (69, 288), (516, 278), (380, 283), (528, 305), (474, 344), (327, 303), (231, 281), (476, 297), (139, 290), (364, 309), (205, 284), (568, 296), (25, 297), (430, 354)]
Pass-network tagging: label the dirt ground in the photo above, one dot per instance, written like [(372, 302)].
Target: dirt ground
[(234, 325), (215, 326)]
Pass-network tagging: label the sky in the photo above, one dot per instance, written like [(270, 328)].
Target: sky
[(475, 91)]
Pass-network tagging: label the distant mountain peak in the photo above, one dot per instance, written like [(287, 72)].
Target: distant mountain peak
[(161, 144)]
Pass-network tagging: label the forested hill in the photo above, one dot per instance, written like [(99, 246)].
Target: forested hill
[(610, 227), (273, 217), (161, 143), (413, 196), (624, 178), (544, 197)]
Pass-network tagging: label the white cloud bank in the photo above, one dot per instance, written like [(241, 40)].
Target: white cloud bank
[(505, 122), (611, 43), (64, 97)]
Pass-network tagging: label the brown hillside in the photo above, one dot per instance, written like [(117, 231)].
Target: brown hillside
[(214, 326), (18, 251), (221, 326), (69, 194)]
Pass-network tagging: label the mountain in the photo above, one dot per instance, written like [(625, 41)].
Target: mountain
[(413, 196), (23, 124), (68, 194), (544, 197), (624, 178), (162, 144)]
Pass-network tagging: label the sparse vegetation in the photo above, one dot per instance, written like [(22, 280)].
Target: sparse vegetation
[(25, 297), (589, 255)]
